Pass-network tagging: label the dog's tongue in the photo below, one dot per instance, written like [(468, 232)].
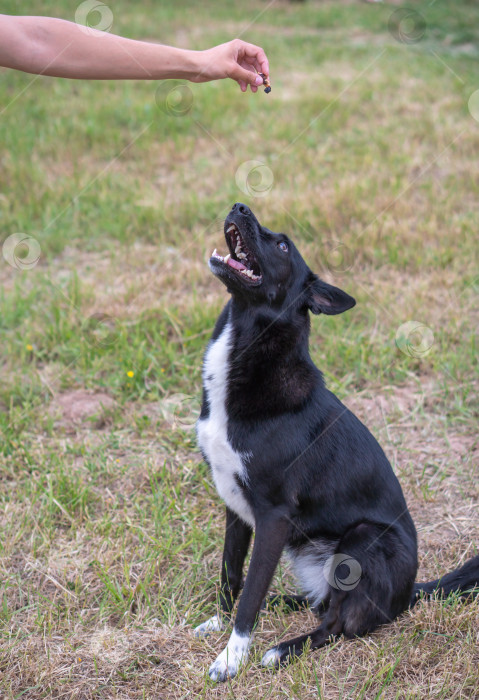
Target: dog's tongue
[(236, 264)]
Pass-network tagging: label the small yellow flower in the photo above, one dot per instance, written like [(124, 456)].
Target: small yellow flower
[(162, 369), (79, 658), (29, 347), (130, 374)]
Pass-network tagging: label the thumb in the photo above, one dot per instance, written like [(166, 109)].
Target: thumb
[(247, 76)]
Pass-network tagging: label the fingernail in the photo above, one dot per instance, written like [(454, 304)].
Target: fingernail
[(258, 81)]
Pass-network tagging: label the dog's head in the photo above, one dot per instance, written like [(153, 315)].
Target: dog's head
[(266, 268)]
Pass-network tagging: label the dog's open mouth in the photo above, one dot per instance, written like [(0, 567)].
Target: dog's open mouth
[(240, 258)]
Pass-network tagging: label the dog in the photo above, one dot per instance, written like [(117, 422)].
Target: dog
[(294, 464)]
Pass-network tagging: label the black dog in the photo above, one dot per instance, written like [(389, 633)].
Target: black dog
[(295, 464)]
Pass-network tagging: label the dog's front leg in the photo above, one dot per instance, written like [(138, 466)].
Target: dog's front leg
[(237, 539), (270, 538)]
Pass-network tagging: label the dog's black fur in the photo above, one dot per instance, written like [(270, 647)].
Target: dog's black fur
[(315, 478)]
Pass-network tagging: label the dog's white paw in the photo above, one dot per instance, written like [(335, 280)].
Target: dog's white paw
[(221, 670), (233, 656), (214, 624), (272, 658)]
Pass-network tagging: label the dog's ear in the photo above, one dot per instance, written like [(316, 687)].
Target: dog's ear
[(323, 298)]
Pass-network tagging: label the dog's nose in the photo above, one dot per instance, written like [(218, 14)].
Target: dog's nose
[(241, 209)]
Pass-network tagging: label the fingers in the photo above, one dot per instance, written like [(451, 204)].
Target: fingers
[(255, 56), (245, 75), (235, 59), (244, 87), (251, 60)]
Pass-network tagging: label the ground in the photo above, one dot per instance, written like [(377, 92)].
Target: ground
[(111, 529)]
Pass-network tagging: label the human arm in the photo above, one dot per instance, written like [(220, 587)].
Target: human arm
[(56, 47)]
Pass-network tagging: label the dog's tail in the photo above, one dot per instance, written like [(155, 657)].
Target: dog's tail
[(464, 581)]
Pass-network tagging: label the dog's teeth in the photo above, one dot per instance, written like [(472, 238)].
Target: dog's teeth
[(249, 273), (231, 228), (238, 250), (227, 257), (241, 256), (214, 254)]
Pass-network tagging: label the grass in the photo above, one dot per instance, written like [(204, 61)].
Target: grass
[(111, 527)]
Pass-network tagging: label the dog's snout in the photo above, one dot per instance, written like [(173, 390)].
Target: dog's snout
[(240, 208)]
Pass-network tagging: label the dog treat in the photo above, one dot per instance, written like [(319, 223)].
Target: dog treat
[(266, 83)]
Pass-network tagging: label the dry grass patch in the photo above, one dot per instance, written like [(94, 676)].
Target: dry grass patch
[(87, 649)]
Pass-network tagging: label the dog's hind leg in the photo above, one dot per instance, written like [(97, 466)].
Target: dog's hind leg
[(324, 634), (291, 602), (370, 580), (295, 603)]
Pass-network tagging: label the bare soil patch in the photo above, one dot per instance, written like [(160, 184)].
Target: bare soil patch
[(77, 408)]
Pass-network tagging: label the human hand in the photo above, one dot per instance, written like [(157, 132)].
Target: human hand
[(237, 60)]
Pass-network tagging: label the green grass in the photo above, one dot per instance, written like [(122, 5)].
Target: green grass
[(111, 529)]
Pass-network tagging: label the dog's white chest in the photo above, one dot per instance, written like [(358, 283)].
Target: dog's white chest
[(227, 465)]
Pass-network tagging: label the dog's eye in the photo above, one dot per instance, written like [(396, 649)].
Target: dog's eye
[(283, 246)]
